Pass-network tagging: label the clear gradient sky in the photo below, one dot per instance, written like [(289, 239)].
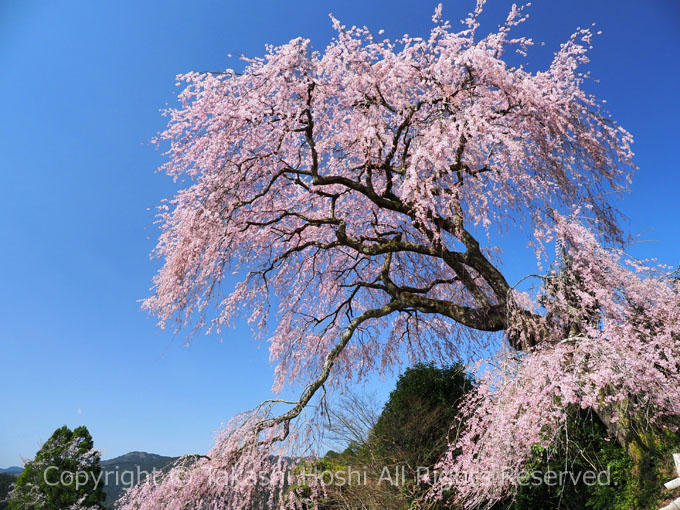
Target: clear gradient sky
[(81, 85)]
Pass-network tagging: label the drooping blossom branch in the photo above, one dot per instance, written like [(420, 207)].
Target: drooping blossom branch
[(613, 346), (349, 187)]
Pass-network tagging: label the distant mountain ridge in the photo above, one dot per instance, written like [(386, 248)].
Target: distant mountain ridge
[(12, 470), (136, 457), (125, 470)]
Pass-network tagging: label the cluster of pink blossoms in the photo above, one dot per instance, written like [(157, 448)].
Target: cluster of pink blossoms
[(613, 344), (344, 189)]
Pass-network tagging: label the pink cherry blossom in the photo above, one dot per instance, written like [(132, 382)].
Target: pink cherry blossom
[(346, 189)]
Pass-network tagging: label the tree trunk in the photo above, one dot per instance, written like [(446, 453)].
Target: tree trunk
[(640, 447)]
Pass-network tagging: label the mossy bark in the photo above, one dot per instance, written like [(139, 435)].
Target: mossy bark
[(644, 448)]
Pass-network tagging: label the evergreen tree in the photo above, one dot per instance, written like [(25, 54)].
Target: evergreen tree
[(63, 476), (405, 441), (414, 425)]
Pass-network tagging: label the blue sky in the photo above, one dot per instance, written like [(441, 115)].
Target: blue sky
[(82, 84)]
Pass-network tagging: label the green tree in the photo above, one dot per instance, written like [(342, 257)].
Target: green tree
[(586, 448), (64, 475), (404, 441), (414, 425)]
